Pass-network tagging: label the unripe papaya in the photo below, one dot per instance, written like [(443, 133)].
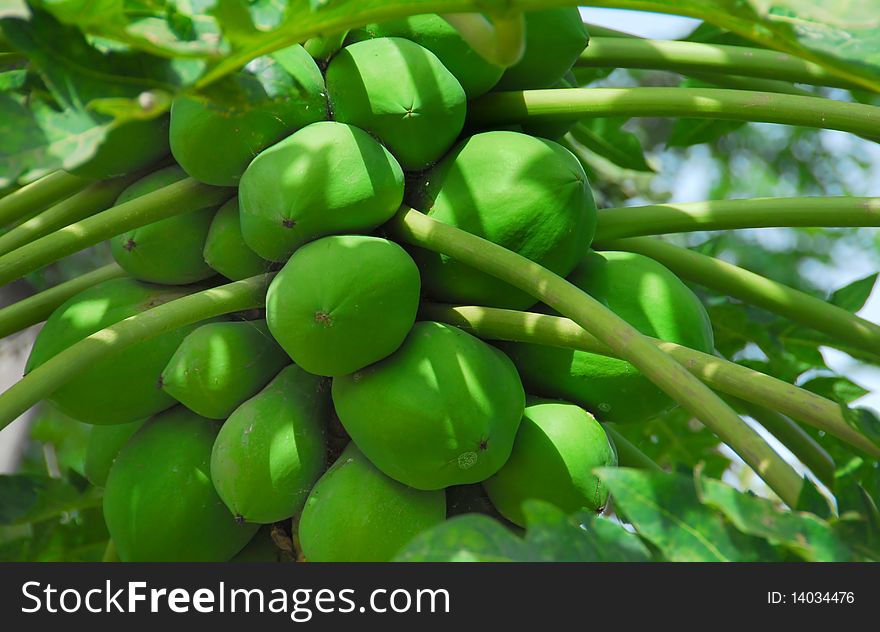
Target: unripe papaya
[(220, 365), (159, 503), (326, 178), (225, 250), (271, 450), (357, 514), (556, 449), (214, 141), (104, 445), (650, 298), (442, 410), (125, 386), (527, 194), (126, 148), (168, 251), (400, 92), (555, 38), (343, 302), (475, 74)]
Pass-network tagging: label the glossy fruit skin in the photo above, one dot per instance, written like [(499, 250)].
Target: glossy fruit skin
[(555, 38), (442, 410), (476, 75), (556, 449), (272, 449), (357, 514), (527, 194), (104, 445), (214, 142), (225, 250), (168, 251), (125, 386), (400, 92), (159, 503), (326, 178), (343, 302), (127, 148), (649, 297), (221, 365)]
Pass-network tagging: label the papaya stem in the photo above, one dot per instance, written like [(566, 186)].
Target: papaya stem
[(501, 42), (38, 307), (36, 196), (757, 290), (507, 108), (792, 436), (418, 229), (58, 370), (658, 219), (688, 57), (93, 199), (180, 197), (628, 455), (722, 375)]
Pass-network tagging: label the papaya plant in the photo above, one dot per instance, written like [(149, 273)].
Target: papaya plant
[(355, 281)]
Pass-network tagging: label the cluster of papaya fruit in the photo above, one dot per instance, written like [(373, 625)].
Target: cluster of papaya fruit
[(208, 431)]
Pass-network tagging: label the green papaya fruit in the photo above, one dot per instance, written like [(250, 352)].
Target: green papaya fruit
[(261, 548), (168, 251), (475, 74), (326, 178), (650, 298), (225, 250), (220, 365), (214, 140), (556, 449), (553, 130), (355, 513), (159, 503), (271, 450), (555, 38), (442, 410), (400, 92), (125, 386), (527, 194), (104, 445), (127, 148), (343, 302)]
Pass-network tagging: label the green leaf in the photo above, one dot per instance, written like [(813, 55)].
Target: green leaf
[(665, 510), (804, 534), (606, 137), (853, 297), (468, 538), (27, 498)]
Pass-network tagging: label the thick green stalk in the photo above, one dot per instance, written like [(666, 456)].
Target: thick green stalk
[(91, 200), (659, 219), (34, 197), (689, 57), (721, 375), (628, 455), (180, 197), (38, 307), (46, 378), (418, 229), (756, 290), (792, 436), (507, 108)]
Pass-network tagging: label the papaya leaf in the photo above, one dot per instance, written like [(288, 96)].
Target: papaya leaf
[(839, 388), (666, 511), (854, 296), (81, 537), (686, 132), (806, 535), (606, 137), (467, 538), (27, 498), (813, 501)]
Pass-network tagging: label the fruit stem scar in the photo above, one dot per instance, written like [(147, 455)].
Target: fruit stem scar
[(129, 245), (323, 318), (288, 223)]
